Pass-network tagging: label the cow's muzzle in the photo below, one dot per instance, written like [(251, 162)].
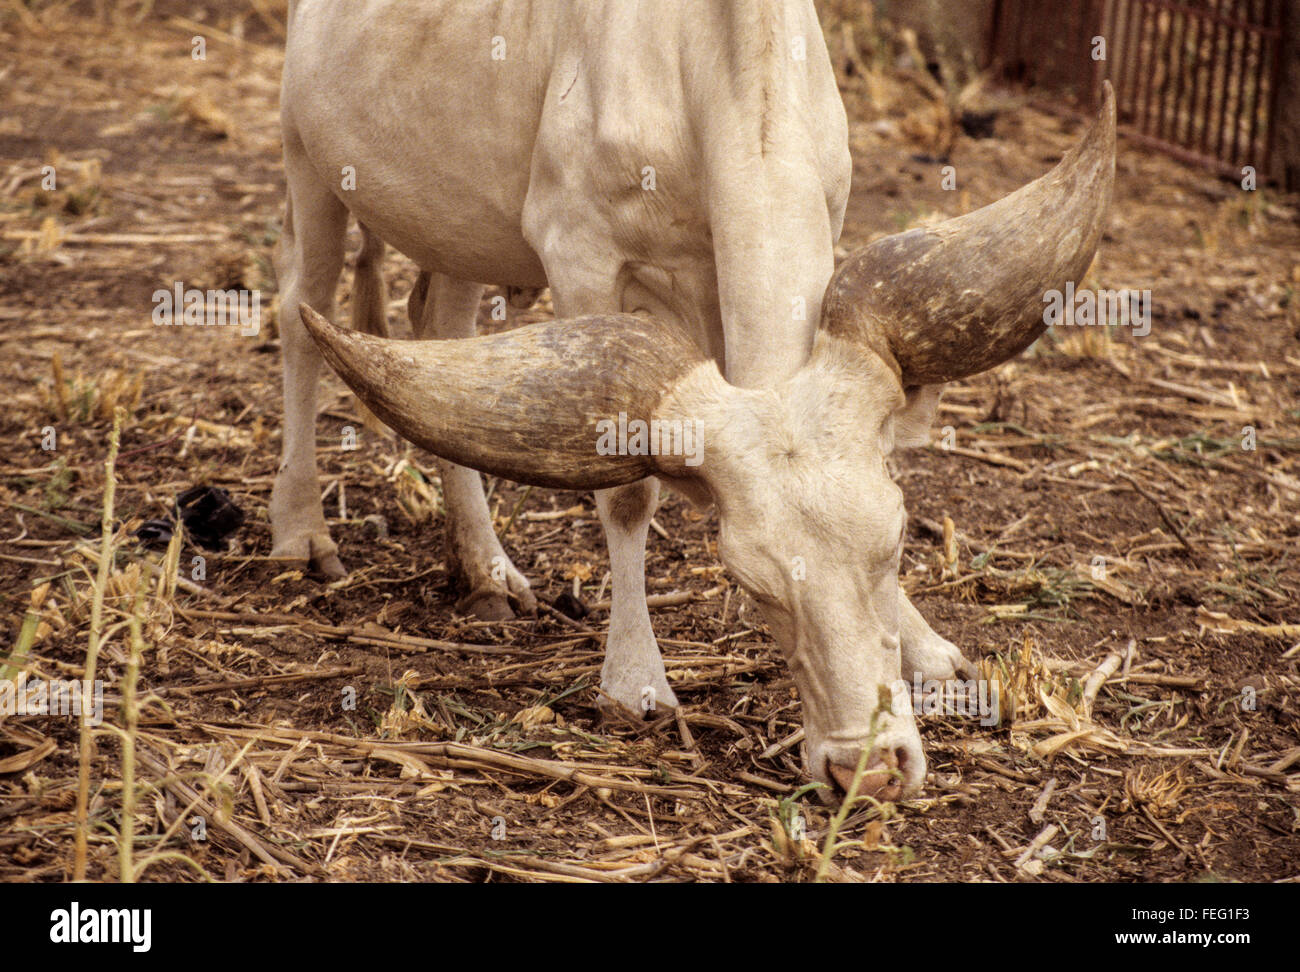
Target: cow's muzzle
[(882, 778)]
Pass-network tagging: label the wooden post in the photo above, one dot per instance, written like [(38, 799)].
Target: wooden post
[(1285, 160)]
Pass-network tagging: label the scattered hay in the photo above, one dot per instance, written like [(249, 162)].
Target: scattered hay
[(80, 399), (194, 107), (1160, 793)]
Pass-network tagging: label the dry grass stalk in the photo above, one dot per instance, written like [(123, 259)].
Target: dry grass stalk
[(1095, 681), (92, 648), (1159, 792), (28, 635), (130, 725), (851, 798), (25, 17)]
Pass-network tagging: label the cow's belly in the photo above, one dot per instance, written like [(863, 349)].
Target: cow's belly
[(464, 240), (404, 114)]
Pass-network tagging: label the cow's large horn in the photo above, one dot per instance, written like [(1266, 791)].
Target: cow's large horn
[(525, 404), (957, 298)]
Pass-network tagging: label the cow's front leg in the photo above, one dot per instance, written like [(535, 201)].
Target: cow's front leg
[(633, 675), (926, 653), (583, 281), (443, 307)]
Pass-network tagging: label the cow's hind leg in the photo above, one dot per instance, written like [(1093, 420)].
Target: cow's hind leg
[(633, 675), (369, 295), (308, 262), (370, 309), (441, 307)]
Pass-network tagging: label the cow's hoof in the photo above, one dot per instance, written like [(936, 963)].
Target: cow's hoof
[(521, 592), (329, 566), (617, 714), (490, 604), (316, 552), (936, 658), (492, 601), (496, 590), (651, 701)]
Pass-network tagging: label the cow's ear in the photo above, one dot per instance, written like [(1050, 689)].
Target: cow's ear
[(914, 417)]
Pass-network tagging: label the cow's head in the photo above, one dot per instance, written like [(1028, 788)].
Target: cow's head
[(811, 523)]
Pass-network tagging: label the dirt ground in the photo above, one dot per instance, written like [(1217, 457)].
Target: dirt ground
[(1107, 512)]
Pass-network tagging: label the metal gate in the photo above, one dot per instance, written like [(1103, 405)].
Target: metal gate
[(1196, 78)]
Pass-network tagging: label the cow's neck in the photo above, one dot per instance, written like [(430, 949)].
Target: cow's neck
[(776, 169)]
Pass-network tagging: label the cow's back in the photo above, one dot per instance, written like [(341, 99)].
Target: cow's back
[(674, 157), (433, 104)]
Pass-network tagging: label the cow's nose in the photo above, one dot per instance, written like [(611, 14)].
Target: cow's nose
[(881, 779)]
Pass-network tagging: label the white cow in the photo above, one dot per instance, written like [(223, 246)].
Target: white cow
[(676, 171)]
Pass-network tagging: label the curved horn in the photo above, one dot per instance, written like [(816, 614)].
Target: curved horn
[(523, 404), (955, 299)]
